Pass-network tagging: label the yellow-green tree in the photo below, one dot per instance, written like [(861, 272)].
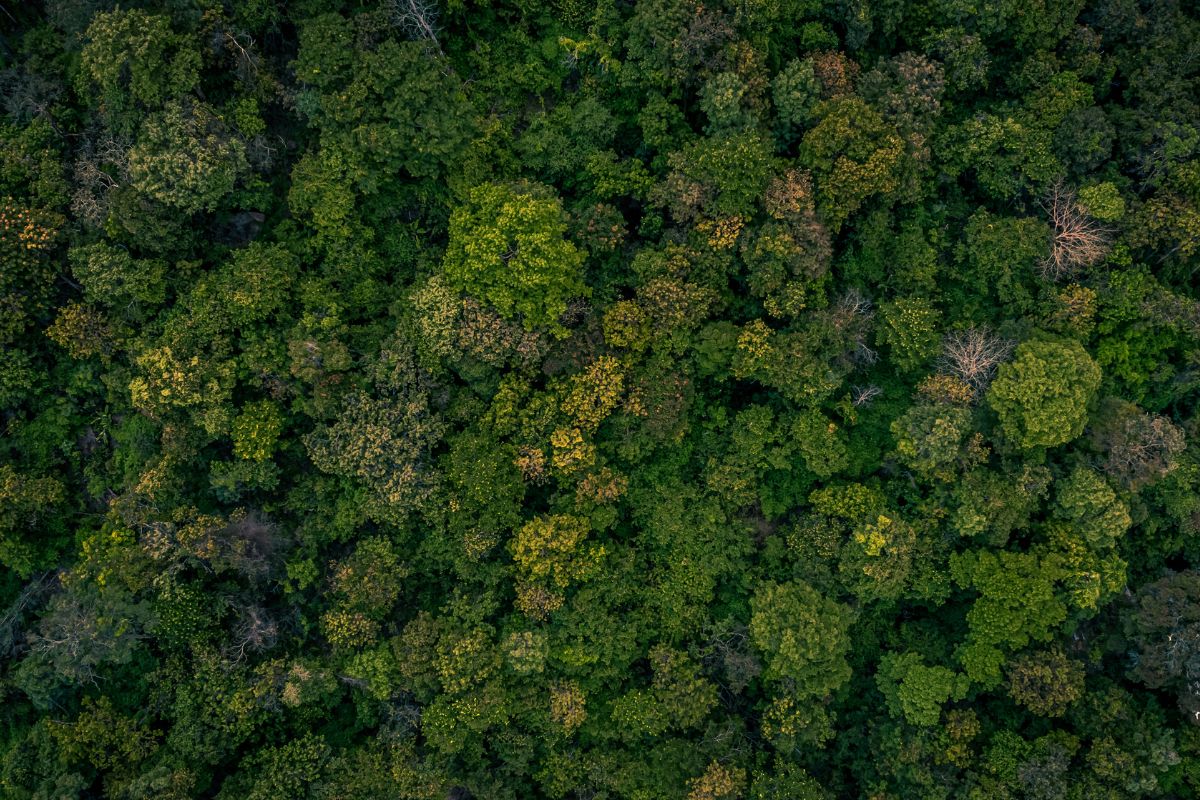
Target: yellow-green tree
[(507, 248)]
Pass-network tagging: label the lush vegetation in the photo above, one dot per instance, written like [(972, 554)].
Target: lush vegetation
[(509, 399)]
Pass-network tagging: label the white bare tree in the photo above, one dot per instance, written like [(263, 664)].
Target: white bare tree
[(417, 18), (1078, 241), (973, 354)]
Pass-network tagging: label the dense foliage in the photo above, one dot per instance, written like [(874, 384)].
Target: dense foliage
[(501, 399)]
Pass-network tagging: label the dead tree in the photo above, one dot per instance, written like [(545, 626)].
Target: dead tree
[(1078, 241), (417, 18), (862, 396), (972, 355), (255, 632)]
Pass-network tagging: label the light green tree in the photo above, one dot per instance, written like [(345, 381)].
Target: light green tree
[(915, 690), (929, 437), (1017, 604), (507, 247), (1042, 395), (910, 327), (1087, 501), (804, 636)]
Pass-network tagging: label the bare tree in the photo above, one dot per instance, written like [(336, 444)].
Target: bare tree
[(729, 658), (246, 59), (851, 307), (1078, 241), (255, 632), (863, 395), (851, 316), (1139, 447), (31, 597), (417, 18), (84, 628), (28, 95), (102, 166), (973, 354), (250, 544)]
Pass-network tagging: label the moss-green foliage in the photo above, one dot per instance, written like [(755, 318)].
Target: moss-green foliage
[(855, 154), (909, 326), (929, 438), (133, 59), (1017, 604), (625, 400)]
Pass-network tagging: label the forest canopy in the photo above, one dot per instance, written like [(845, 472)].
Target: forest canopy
[(613, 400)]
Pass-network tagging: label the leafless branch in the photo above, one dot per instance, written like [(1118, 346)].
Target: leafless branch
[(1078, 241), (417, 18), (973, 354), (863, 395), (255, 632)]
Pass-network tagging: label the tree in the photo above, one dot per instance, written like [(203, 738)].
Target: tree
[(370, 579), (820, 443), (287, 770), (185, 158), (1017, 604), (1079, 240), (559, 144), (907, 90), (787, 361), (170, 379), (723, 100), (785, 779), (105, 738), (718, 783), (507, 248), (717, 177), (929, 438), (112, 277), (251, 288), (1139, 449), (1090, 504), (1000, 256), (789, 253), (993, 505), (909, 327), (1046, 682), (795, 92), (29, 524), (256, 430), (1042, 395), (373, 102), (595, 393), (915, 691), (82, 331), (132, 58), (973, 354), (854, 154), (1163, 628), (384, 443), (678, 698), (803, 636), (550, 556), (386, 111), (83, 632), (878, 561)]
